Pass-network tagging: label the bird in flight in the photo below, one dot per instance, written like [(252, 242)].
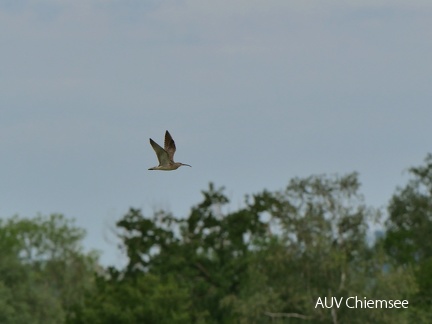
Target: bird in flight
[(166, 156)]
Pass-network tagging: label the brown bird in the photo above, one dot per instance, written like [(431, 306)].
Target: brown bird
[(166, 156)]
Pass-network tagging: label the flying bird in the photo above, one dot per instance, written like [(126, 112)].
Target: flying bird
[(166, 156)]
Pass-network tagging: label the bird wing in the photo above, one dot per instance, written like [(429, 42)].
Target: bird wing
[(162, 155), (170, 147)]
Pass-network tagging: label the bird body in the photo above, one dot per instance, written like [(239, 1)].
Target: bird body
[(166, 155)]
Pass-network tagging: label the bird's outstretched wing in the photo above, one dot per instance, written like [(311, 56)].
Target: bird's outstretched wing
[(162, 155), (170, 147)]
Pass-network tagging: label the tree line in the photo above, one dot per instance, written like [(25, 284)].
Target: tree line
[(267, 262)]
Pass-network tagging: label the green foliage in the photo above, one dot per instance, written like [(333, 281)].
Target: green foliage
[(43, 271), (318, 249), (142, 299), (266, 262), (409, 228)]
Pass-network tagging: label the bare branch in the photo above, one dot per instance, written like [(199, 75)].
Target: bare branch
[(334, 316), (305, 317), (205, 273)]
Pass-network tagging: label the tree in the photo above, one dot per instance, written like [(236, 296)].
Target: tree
[(265, 262), (43, 271), (408, 237), (138, 299), (206, 254), (318, 248)]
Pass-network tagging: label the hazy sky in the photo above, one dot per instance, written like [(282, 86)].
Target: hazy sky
[(253, 92)]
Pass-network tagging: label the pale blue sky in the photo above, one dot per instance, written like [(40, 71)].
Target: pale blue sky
[(253, 92)]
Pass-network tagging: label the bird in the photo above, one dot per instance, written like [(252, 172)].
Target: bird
[(166, 156)]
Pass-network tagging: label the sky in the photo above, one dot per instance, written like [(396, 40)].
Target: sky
[(254, 93)]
